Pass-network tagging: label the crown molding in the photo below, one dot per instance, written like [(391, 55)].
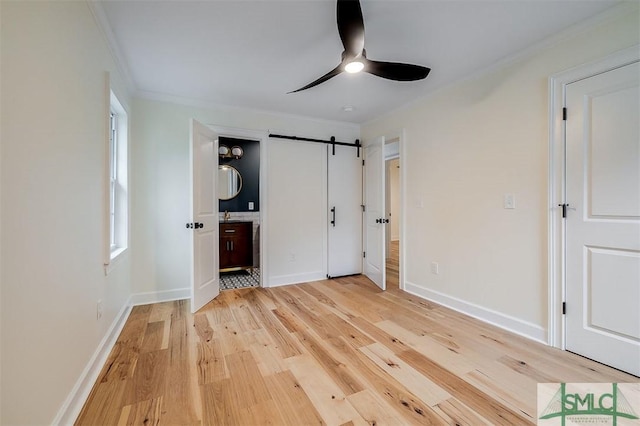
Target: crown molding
[(615, 12), (100, 17)]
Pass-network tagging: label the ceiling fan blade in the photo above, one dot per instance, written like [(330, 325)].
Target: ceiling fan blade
[(337, 70), (350, 26), (396, 71)]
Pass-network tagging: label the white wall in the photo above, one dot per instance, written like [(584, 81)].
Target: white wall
[(53, 152), (296, 170), (466, 146)]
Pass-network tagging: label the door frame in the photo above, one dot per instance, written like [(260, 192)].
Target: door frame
[(397, 135), (557, 176), (261, 137)]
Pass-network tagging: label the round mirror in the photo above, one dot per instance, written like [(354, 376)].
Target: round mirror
[(229, 182)]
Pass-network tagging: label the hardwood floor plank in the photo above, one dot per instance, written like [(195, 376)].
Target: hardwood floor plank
[(219, 404), (453, 361), (124, 416), (153, 337), (106, 398), (331, 352), (210, 362), (379, 335), (456, 413), (145, 412), (202, 327), (295, 406), (335, 368), (264, 351), (520, 398), (407, 405), (283, 340), (351, 334), (149, 377), (326, 396), (289, 320), (415, 383), (246, 381), (481, 403), (374, 410)]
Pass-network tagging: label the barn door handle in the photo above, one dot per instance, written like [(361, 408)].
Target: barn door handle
[(333, 213)]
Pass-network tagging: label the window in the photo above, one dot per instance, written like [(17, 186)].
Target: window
[(117, 177)]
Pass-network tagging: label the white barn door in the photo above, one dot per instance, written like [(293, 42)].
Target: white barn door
[(374, 215), (344, 194), (603, 218), (205, 281)]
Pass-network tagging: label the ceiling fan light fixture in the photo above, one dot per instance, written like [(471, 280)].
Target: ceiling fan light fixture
[(354, 67)]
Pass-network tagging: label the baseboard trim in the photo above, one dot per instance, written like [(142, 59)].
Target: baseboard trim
[(75, 400), (281, 280), (160, 296), (72, 406), (506, 322)]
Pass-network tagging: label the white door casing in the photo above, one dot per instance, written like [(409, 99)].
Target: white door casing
[(205, 282), (344, 194), (374, 200), (603, 232)]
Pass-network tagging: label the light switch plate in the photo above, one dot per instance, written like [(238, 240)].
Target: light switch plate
[(250, 205)]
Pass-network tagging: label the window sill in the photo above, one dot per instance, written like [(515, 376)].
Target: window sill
[(116, 256)]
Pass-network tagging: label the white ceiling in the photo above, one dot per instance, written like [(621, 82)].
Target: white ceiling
[(251, 53)]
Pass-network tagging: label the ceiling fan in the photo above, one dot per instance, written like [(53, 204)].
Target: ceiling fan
[(354, 57)]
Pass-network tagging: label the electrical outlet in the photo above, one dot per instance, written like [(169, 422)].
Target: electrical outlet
[(292, 257), (99, 309), (509, 201), (435, 268)]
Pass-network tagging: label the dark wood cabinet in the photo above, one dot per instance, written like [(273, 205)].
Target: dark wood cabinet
[(236, 246)]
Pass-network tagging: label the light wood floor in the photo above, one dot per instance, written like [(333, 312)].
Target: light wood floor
[(335, 352)]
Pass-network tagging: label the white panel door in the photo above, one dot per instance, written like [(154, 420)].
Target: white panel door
[(603, 232), (205, 282), (344, 196), (374, 215)]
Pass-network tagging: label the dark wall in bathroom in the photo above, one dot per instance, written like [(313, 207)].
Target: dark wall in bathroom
[(249, 168)]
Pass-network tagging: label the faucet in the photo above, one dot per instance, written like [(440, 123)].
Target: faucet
[(227, 215)]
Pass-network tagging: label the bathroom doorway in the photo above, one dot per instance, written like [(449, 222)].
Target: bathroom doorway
[(239, 209)]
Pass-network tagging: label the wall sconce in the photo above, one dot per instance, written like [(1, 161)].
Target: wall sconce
[(233, 152)]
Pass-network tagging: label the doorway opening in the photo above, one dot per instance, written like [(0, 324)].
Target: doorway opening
[(239, 212), (393, 182), (392, 231)]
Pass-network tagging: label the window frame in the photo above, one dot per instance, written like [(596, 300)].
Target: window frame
[(116, 173)]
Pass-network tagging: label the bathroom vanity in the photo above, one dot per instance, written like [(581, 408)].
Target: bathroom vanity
[(236, 246)]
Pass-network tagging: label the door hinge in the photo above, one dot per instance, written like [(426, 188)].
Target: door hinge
[(564, 308), (362, 163), (363, 207), (564, 114), (364, 254)]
